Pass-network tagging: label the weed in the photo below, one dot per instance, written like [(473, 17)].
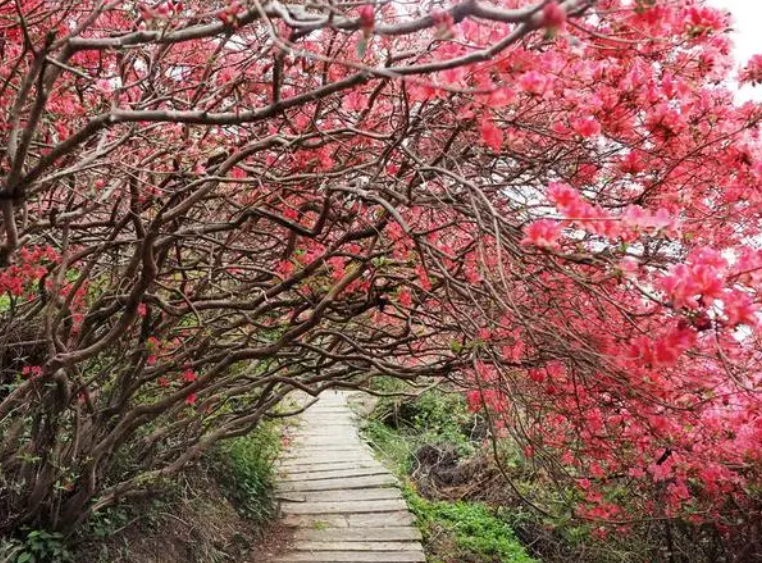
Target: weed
[(471, 526), (453, 531), (37, 546), (246, 473)]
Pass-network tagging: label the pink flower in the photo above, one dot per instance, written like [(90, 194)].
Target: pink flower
[(563, 195), (367, 18), (355, 101), (500, 98), (491, 134), (669, 348), (629, 266), (444, 22), (543, 234), (586, 127), (533, 82), (405, 298), (553, 15), (752, 72), (685, 285), (739, 309), (31, 371), (632, 163)]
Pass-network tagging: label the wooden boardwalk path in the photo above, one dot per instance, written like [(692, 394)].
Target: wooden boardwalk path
[(346, 507)]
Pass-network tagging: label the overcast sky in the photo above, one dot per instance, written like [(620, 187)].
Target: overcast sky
[(748, 35)]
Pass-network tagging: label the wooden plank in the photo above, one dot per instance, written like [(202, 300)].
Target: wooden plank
[(324, 425), (325, 439), (328, 457), (345, 455), (352, 557), (326, 442), (326, 464), (336, 474), (323, 451), (340, 521), (333, 414), (345, 504), (339, 433), (324, 436), (343, 507), (356, 546), (312, 426), (358, 534), (349, 495), (293, 470), (337, 484), (326, 421)]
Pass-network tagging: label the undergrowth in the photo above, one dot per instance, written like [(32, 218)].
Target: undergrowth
[(210, 513), (467, 513), (453, 532), (244, 468), (475, 533)]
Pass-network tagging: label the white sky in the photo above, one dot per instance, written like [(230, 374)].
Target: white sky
[(747, 16)]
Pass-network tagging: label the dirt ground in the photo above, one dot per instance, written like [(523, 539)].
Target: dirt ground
[(199, 527)]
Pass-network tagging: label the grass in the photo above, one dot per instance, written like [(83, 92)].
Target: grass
[(214, 512), (475, 533), (452, 531), (245, 470)]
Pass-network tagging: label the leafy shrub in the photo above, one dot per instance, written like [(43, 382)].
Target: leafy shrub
[(435, 417), (472, 527), (462, 531), (38, 546), (245, 471)]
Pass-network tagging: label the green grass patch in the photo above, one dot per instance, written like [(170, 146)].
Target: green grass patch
[(475, 532), (245, 470), (452, 531)]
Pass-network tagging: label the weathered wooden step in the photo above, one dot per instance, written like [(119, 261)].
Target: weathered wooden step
[(295, 469), (327, 457), (349, 495), (340, 521), (324, 440), (343, 507), (325, 452), (358, 534), (353, 557), (356, 546), (321, 465), (337, 474), (336, 484)]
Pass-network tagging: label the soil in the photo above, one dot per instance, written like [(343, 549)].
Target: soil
[(199, 527), (275, 540)]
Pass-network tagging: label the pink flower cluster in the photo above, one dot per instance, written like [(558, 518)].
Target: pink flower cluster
[(752, 72), (665, 351), (542, 234), (697, 283), (703, 281), (594, 219)]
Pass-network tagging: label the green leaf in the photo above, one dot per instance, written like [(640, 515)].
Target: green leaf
[(362, 46)]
